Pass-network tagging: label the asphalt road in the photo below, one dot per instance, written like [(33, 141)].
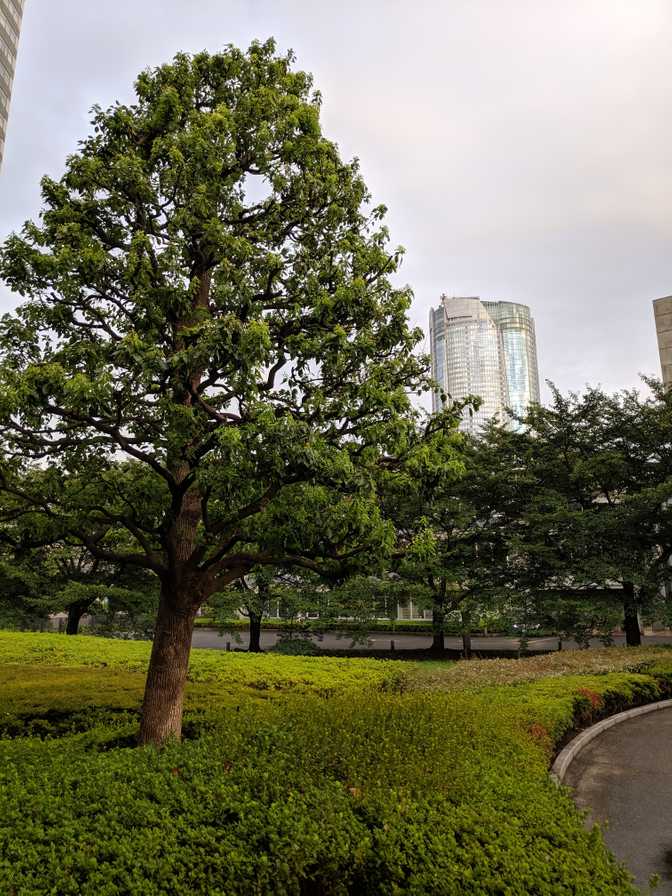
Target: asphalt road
[(381, 641), (624, 779)]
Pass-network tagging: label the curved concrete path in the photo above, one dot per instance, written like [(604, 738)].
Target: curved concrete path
[(624, 779)]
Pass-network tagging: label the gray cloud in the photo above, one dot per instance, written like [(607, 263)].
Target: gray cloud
[(523, 148)]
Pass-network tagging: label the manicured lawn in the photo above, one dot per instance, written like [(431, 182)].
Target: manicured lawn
[(238, 670), (301, 775)]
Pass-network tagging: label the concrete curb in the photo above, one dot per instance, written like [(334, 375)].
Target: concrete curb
[(566, 756)]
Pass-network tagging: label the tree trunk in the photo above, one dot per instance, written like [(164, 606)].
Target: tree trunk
[(75, 613), (438, 629), (633, 637), (466, 634), (167, 673), (183, 590), (255, 633)]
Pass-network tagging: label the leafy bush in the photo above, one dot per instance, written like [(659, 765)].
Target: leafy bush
[(358, 794), (296, 647), (359, 777), (408, 626)]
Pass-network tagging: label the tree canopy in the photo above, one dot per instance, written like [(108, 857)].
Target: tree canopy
[(208, 295), (583, 490)]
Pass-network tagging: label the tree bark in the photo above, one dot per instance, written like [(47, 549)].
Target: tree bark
[(438, 629), (633, 636), (167, 673), (75, 613), (255, 633), (466, 635)]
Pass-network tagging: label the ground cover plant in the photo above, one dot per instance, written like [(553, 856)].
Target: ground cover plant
[(42, 673), (337, 777)]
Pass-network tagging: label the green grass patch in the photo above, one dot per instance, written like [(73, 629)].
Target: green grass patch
[(355, 777), (257, 672)]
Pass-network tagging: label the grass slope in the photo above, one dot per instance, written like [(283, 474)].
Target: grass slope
[(356, 777)]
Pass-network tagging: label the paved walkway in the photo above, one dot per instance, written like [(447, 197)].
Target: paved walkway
[(204, 637), (624, 778), (377, 641)]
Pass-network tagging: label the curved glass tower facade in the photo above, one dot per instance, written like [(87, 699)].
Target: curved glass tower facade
[(518, 352), (487, 349), (11, 14)]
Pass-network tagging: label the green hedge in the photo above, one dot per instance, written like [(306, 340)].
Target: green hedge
[(375, 794), (432, 780), (409, 626)]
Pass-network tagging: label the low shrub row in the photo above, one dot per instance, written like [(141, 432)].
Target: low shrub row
[(357, 794), (402, 626), (430, 780)]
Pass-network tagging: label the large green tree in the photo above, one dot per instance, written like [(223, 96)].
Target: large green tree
[(207, 293)]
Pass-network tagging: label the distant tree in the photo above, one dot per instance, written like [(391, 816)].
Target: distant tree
[(337, 540), (585, 490), (256, 605), (642, 520), (66, 578), (255, 597), (59, 573), (77, 583), (249, 597), (207, 294), (444, 549), (20, 585), (578, 618)]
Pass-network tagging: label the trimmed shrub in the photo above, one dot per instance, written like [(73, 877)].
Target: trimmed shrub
[(296, 647), (358, 794), (359, 777)]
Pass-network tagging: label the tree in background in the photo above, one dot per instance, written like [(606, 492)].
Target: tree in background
[(442, 551), (207, 294), (334, 537), (265, 592), (20, 585), (582, 491), (250, 597), (642, 520), (79, 584), (59, 573)]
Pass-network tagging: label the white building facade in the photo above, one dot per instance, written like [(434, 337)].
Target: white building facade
[(11, 15)]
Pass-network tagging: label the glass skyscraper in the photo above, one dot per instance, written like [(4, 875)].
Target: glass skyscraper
[(487, 349), (11, 13)]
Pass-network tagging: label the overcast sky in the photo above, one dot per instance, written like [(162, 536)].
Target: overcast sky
[(524, 149)]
